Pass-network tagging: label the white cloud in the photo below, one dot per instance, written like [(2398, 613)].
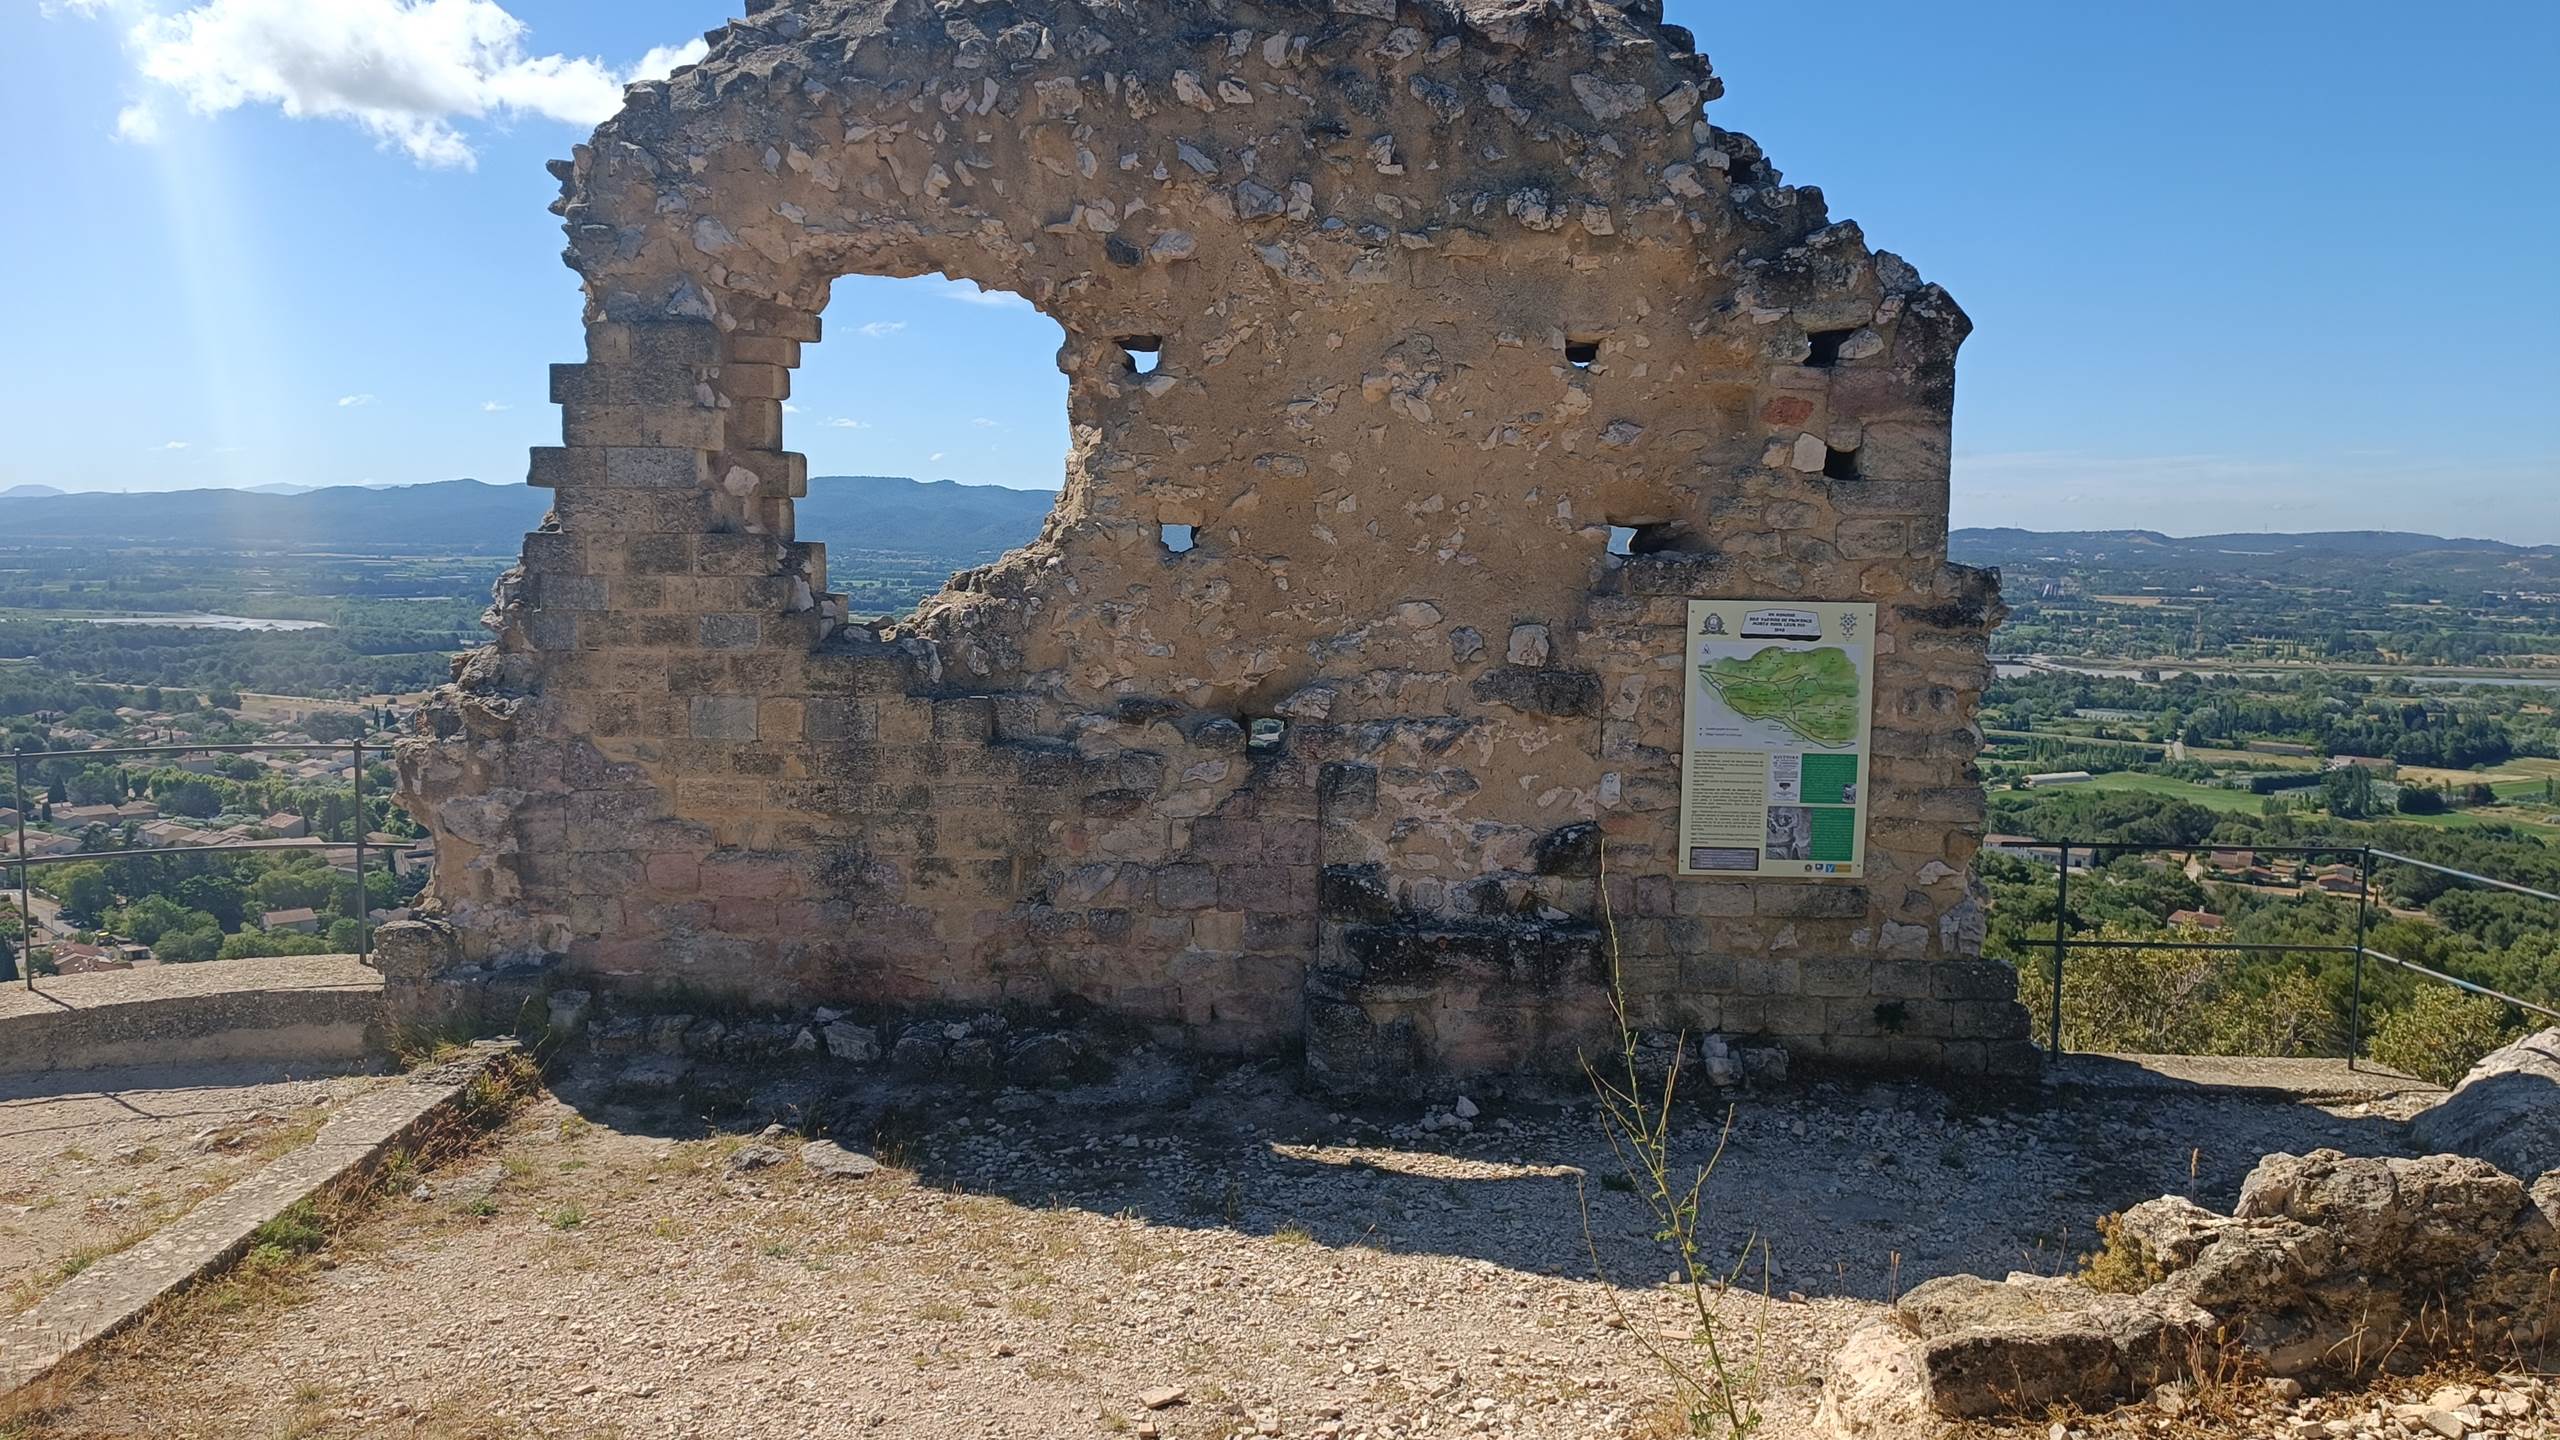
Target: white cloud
[(665, 60), (983, 423), (936, 457), (879, 329), (842, 423), (790, 409), (494, 407), (406, 71), (354, 402), (968, 294), (175, 445), (138, 124)]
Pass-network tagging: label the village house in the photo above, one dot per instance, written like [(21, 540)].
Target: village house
[(287, 825), (2059, 777), (72, 958), (42, 843), (303, 920), (2195, 920), (2023, 847)]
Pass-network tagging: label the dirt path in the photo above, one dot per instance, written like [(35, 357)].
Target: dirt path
[(1043, 1265)]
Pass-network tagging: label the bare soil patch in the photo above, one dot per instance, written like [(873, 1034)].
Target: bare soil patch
[(1249, 1258), (91, 1163)]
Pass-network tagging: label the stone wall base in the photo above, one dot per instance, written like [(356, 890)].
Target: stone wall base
[(1530, 1001)]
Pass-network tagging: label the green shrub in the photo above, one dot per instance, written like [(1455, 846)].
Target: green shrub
[(2440, 1034), (2178, 1002)]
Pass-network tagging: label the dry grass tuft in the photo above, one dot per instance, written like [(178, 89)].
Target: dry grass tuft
[(2122, 1264)]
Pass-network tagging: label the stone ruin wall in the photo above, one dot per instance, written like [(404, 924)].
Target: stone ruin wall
[(1372, 240)]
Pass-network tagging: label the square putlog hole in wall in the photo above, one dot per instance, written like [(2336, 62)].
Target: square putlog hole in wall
[(1826, 348), (1178, 539), (1145, 352), (1581, 354), (1649, 537), (1839, 464)]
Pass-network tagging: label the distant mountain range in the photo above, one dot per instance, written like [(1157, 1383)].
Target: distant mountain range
[(878, 513), (1972, 546), (2377, 561), (970, 524)]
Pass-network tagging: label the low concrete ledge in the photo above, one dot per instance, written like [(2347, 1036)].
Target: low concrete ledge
[(120, 1289), (2332, 1082), (320, 1009)]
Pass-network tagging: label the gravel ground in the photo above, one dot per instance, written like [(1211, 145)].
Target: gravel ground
[(1038, 1265), (90, 1163)]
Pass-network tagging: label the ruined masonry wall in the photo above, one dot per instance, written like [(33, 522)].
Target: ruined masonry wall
[(1444, 291)]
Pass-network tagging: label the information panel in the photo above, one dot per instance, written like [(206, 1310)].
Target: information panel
[(1774, 773)]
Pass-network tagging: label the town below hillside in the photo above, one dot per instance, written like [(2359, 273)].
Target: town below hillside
[(2215, 708)]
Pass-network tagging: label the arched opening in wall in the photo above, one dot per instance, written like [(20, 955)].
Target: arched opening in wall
[(934, 417)]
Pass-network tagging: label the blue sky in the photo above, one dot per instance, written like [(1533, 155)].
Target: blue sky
[(2269, 265)]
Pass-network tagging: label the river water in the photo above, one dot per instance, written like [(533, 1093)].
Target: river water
[(203, 622)]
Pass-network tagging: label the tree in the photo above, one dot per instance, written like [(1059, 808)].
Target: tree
[(252, 944), (192, 797), (291, 888), (2440, 1034), (333, 726), (188, 947), (2349, 792), (2422, 800), (84, 892), (216, 893), (153, 916)]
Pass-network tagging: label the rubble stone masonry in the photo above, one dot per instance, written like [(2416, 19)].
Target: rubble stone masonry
[(1443, 291)]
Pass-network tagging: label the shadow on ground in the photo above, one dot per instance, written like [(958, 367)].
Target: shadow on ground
[(1848, 1188)]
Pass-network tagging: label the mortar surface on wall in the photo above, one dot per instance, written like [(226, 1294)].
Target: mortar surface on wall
[(1444, 292)]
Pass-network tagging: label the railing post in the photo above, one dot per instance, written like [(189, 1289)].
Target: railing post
[(364, 907), (26, 890), (2061, 942), (2364, 934)]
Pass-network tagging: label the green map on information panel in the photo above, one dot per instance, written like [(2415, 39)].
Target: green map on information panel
[(1811, 692)]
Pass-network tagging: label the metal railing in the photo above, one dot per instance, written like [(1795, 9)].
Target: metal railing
[(26, 864), (2064, 942)]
